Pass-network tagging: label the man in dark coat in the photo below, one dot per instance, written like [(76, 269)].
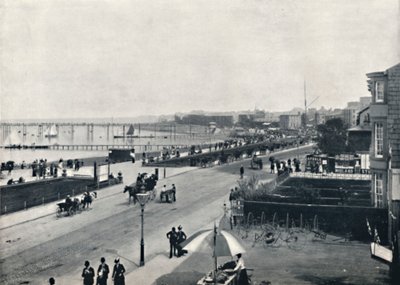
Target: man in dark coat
[(118, 273), (241, 172), (173, 192), (173, 238), (181, 237), (102, 272), (88, 274)]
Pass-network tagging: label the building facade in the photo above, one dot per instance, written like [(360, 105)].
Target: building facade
[(290, 122), (385, 142)]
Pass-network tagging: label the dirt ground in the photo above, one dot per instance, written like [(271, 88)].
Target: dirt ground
[(311, 261)]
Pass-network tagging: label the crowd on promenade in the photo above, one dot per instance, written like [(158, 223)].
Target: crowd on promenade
[(40, 169)]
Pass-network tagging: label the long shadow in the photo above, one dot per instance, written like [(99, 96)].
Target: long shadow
[(322, 280)]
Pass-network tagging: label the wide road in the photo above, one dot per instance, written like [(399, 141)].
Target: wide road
[(49, 246)]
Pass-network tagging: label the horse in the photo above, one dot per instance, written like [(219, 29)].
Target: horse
[(87, 199), (135, 188)]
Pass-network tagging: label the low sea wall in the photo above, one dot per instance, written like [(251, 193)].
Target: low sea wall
[(24, 195)]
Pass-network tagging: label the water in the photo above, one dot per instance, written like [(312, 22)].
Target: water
[(81, 135)]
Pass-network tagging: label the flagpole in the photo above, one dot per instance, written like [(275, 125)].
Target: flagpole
[(215, 255)]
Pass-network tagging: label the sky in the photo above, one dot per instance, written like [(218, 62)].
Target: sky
[(120, 58)]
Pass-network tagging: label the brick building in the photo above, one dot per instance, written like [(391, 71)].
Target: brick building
[(385, 142)]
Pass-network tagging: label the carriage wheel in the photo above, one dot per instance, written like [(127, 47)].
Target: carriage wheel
[(71, 211), (58, 212)]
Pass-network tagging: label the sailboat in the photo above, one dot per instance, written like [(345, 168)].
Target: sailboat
[(51, 132), (129, 133)]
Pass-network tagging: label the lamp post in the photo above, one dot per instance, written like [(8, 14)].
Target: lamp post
[(142, 198)]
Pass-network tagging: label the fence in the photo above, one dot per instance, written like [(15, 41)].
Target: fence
[(344, 176), (339, 220)]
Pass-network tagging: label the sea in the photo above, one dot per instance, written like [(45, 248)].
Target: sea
[(83, 135)]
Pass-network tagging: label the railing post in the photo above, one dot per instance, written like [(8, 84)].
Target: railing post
[(24, 205)]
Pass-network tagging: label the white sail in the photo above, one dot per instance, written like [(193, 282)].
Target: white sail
[(51, 132)]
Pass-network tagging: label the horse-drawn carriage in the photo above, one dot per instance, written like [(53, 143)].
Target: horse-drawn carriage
[(256, 162), (147, 183), (75, 205)]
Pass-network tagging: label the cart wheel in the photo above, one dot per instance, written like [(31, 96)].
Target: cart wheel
[(71, 211), (58, 212)]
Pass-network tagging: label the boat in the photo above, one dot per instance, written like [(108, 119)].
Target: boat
[(51, 132), (129, 134)]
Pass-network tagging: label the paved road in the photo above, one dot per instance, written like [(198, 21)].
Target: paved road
[(31, 252)]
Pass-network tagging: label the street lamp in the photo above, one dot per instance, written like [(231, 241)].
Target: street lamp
[(142, 198)]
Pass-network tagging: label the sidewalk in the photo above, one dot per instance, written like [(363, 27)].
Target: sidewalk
[(129, 171), (156, 267)]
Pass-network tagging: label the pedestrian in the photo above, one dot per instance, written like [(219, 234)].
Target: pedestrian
[(164, 190), (173, 237), (181, 237), (88, 274), (102, 272), (118, 273), (241, 171), (240, 269), (231, 196), (173, 192), (52, 281)]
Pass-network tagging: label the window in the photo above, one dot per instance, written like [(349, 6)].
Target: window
[(378, 139), (379, 91), (378, 190)]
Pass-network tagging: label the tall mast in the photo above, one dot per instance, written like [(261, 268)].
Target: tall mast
[(305, 103)]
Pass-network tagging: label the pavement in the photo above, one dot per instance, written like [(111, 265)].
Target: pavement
[(129, 172)]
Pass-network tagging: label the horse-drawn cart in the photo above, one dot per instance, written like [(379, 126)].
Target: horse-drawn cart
[(149, 185), (69, 209), (76, 204)]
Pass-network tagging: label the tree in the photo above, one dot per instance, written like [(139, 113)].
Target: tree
[(332, 137)]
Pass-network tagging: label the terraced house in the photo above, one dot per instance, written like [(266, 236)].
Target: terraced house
[(385, 142)]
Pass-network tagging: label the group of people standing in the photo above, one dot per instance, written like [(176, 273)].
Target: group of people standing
[(103, 270), (175, 240)]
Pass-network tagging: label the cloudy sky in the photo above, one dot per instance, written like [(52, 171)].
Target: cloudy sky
[(116, 58)]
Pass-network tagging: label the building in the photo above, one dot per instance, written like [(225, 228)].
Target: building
[(359, 136), (385, 143), (319, 118), (350, 117), (365, 102), (290, 122), (204, 120)]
